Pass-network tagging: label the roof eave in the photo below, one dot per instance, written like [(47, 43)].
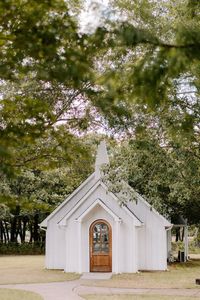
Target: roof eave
[(44, 223)]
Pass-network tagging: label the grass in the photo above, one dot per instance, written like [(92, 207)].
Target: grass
[(29, 269), (135, 297), (10, 294), (180, 275)]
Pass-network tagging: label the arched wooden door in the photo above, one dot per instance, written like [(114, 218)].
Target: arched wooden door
[(100, 246)]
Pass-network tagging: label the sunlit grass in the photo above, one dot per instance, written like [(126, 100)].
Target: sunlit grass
[(10, 294), (29, 269), (179, 275)]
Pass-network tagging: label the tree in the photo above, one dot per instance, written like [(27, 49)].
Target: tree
[(166, 175), (139, 73), (45, 73), (152, 62), (137, 61), (151, 73), (31, 195)]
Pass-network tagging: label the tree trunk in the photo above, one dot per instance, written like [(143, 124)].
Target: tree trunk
[(1, 231), (36, 236), (31, 231), (178, 237), (7, 232), (14, 229), (23, 233)]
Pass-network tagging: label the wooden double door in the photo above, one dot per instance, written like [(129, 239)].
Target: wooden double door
[(100, 246)]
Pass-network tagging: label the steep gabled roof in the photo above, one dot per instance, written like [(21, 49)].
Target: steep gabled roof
[(130, 212), (128, 205), (78, 204), (59, 207), (102, 158), (140, 198), (63, 221)]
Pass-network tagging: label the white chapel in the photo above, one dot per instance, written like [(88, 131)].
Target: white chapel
[(91, 232)]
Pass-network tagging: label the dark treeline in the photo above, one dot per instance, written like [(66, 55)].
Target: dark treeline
[(20, 229)]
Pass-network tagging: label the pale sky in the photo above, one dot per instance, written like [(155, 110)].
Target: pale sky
[(93, 15)]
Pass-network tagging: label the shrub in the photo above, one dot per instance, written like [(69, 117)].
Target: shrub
[(22, 249)]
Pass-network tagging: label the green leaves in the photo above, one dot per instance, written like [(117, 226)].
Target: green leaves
[(41, 38), (45, 74), (127, 74), (50, 171), (130, 36), (154, 50), (167, 175)]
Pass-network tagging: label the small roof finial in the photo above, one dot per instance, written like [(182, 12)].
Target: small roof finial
[(101, 158)]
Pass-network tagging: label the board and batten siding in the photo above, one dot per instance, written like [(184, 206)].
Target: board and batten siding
[(152, 237), (138, 243), (124, 250), (55, 235)]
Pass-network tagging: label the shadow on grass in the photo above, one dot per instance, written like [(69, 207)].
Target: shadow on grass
[(191, 264)]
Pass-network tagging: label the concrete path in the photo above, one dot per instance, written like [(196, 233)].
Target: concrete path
[(70, 290), (96, 276), (50, 291)]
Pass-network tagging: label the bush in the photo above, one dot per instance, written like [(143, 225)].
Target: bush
[(193, 247), (197, 238), (22, 249)]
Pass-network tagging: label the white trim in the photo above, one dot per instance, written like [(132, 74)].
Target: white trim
[(137, 222), (106, 188), (99, 182), (167, 223), (79, 247), (67, 250), (103, 205), (132, 236), (78, 204), (44, 222), (131, 214), (66, 217), (117, 245)]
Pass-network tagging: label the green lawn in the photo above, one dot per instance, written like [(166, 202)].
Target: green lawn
[(135, 297), (29, 269), (180, 275), (10, 294)]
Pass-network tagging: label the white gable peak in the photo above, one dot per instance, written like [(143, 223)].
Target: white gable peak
[(104, 206), (101, 158)]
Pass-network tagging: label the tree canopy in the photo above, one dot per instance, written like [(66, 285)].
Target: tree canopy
[(153, 62), (142, 60), (137, 73), (45, 74), (166, 175)]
